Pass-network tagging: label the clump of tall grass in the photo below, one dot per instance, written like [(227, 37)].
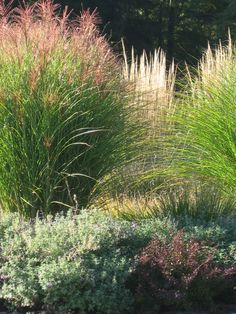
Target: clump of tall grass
[(153, 82), (193, 173), (213, 61), (65, 121), (185, 200), (206, 125)]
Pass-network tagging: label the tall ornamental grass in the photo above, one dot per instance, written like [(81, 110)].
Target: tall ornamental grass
[(206, 132), (153, 82), (65, 121), (193, 172)]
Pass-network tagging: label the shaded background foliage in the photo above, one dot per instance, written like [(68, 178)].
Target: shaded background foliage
[(180, 27)]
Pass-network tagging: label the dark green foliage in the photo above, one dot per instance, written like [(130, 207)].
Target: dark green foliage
[(180, 27)]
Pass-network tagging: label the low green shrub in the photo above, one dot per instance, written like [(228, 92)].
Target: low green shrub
[(73, 263), (82, 263), (66, 265)]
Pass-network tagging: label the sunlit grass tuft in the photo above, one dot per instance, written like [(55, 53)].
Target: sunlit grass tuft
[(65, 120), (154, 83), (205, 140)]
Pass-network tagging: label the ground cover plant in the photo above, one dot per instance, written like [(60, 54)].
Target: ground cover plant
[(65, 120), (72, 264), (93, 263), (181, 275)]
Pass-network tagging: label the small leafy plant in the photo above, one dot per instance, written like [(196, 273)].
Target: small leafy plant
[(180, 274), (67, 264)]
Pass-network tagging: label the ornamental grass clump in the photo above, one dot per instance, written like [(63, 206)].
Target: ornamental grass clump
[(154, 83), (65, 121), (205, 140)]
